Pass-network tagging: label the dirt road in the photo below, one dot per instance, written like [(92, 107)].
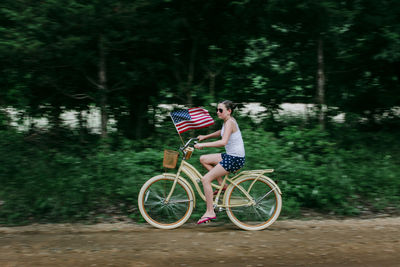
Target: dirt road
[(373, 242)]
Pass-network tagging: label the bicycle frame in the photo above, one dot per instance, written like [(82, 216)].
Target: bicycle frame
[(196, 177), (252, 201)]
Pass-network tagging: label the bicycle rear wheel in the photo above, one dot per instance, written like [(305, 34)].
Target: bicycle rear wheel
[(161, 214), (262, 213)]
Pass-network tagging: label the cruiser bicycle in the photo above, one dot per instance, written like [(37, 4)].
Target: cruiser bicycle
[(251, 200)]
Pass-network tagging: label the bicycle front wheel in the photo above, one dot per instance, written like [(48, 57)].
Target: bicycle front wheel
[(258, 211), (159, 212)]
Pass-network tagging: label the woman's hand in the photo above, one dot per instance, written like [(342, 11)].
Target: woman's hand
[(201, 137), (198, 146)]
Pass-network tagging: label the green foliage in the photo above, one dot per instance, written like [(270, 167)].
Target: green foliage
[(315, 170), (339, 174), (127, 57), (46, 184)]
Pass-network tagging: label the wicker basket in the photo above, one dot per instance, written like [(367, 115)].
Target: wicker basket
[(170, 158)]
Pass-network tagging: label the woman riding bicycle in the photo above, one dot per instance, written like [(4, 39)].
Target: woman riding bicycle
[(219, 164)]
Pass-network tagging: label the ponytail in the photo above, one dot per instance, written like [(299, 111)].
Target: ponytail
[(229, 105)]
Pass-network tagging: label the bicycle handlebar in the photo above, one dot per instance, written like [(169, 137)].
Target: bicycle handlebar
[(188, 143)]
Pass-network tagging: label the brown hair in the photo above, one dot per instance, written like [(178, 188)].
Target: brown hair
[(229, 105)]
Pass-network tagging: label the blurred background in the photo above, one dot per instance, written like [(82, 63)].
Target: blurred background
[(86, 87)]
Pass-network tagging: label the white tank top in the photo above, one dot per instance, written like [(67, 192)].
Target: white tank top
[(235, 145)]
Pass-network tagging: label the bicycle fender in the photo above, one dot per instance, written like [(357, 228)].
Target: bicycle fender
[(273, 182), (261, 176)]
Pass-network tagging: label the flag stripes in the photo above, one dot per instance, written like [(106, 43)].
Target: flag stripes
[(193, 118)]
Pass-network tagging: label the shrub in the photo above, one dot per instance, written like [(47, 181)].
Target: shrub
[(325, 171)]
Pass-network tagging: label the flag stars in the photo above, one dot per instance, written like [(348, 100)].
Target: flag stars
[(193, 118)]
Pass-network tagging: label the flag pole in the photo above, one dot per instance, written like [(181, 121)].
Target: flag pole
[(183, 143)]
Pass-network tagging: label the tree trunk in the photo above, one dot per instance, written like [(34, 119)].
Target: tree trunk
[(5, 120), (212, 76), (103, 87), (139, 123), (191, 70), (55, 119), (321, 84), (82, 124)]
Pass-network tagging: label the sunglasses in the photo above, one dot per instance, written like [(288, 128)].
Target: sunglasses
[(219, 110)]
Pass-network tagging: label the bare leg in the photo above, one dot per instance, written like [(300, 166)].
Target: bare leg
[(217, 171), (210, 161)]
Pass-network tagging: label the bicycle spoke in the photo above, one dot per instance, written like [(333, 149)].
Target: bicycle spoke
[(175, 210), (152, 203), (166, 212), (258, 214), (263, 208), (179, 201), (261, 198), (147, 196)]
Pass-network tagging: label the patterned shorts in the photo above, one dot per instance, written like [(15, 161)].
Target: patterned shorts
[(231, 163)]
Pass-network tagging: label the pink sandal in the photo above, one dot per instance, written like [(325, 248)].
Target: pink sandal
[(206, 219), (217, 190)]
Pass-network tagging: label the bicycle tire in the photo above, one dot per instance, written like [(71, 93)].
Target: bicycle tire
[(258, 216), (165, 215)]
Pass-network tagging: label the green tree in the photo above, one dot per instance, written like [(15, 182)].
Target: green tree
[(368, 56)]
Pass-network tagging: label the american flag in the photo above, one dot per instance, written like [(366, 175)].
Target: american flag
[(192, 118)]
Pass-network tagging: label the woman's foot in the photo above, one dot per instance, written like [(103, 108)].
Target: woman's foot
[(217, 190), (207, 217)]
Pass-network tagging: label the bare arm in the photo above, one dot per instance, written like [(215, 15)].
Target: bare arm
[(211, 135), (229, 126)]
